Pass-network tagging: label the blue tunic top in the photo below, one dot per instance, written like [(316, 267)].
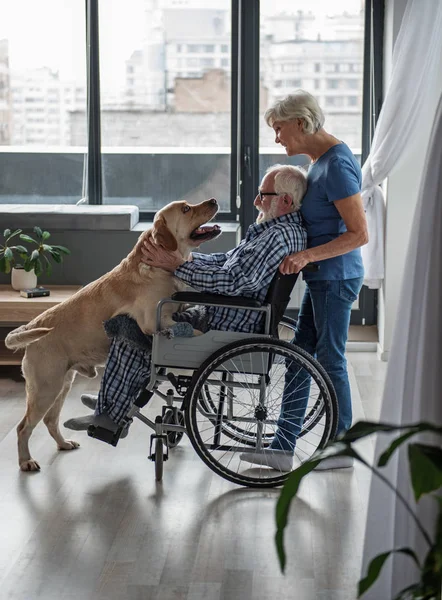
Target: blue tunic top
[(334, 176)]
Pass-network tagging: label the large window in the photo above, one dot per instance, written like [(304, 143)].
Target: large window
[(323, 43), (165, 101), (318, 47), (172, 103), (175, 86), (42, 91)]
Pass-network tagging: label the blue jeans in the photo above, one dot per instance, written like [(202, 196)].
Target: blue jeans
[(322, 331)]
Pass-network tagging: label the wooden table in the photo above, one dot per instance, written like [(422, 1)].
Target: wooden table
[(16, 310)]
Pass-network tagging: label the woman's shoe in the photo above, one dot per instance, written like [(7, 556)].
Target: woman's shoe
[(280, 460)]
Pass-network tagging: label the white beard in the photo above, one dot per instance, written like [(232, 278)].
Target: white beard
[(262, 217)]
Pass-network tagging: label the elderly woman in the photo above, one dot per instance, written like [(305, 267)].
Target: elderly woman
[(336, 228)]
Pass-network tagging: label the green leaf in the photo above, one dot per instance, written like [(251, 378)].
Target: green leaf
[(6, 233), (56, 256), (9, 255), (46, 235), (417, 428), (38, 231), (439, 528), (13, 234), (27, 238), (38, 267), (288, 492), (62, 249), (385, 456), (425, 468), (375, 567), (431, 577), (363, 429), (35, 254), (21, 249), (405, 593), (291, 487), (48, 266)]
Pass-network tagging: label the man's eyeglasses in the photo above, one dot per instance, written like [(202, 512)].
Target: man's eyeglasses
[(262, 194)]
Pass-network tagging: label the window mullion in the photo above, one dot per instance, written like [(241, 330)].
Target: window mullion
[(94, 172)]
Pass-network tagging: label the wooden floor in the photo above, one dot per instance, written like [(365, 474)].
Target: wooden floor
[(94, 525)]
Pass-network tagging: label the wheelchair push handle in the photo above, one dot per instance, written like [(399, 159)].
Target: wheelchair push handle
[(311, 268)]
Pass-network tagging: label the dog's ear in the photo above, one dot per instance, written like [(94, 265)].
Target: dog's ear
[(162, 236)]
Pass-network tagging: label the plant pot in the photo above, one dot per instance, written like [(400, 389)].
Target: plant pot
[(23, 280)]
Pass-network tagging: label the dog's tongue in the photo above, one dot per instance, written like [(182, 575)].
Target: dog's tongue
[(206, 229)]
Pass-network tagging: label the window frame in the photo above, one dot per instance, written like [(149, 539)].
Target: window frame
[(94, 175), (244, 165)]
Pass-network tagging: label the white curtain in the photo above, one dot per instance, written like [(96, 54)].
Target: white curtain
[(416, 55), (413, 387)]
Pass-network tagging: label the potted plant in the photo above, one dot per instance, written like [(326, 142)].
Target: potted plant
[(26, 265), (425, 468)]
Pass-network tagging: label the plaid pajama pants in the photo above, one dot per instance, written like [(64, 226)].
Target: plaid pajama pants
[(126, 374)]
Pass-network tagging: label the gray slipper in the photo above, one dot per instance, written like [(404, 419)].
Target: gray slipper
[(89, 400), (79, 423), (103, 420)]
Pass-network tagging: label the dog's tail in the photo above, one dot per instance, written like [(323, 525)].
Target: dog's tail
[(21, 337)]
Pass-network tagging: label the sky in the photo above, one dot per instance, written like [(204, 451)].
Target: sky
[(52, 32), (316, 6)]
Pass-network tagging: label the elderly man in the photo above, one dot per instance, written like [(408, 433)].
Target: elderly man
[(247, 270)]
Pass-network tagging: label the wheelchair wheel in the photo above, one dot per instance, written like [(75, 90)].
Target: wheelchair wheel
[(286, 332), (159, 460), (245, 381)]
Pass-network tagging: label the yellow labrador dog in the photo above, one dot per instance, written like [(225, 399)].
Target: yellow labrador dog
[(70, 338)]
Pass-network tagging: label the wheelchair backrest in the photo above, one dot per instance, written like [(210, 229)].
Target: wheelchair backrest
[(278, 296)]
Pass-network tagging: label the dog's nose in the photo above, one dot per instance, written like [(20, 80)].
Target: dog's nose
[(213, 201)]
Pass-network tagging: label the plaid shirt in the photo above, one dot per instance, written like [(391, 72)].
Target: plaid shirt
[(247, 270)]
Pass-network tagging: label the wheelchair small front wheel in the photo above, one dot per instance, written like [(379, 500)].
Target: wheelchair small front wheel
[(159, 459), (173, 418), (245, 382)]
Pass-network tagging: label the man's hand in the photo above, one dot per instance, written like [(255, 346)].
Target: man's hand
[(157, 256), (295, 262)]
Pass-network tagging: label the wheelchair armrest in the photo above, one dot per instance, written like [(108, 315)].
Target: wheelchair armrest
[(202, 298)]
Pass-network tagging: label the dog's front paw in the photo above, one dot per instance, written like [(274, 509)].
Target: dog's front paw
[(68, 445), (29, 465)]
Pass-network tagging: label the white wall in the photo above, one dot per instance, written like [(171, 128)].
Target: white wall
[(402, 187)]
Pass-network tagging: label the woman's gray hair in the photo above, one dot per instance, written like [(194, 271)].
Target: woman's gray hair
[(290, 180), (299, 105)]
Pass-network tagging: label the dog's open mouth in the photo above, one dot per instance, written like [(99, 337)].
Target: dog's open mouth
[(205, 233)]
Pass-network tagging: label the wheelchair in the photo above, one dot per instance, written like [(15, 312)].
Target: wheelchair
[(227, 389)]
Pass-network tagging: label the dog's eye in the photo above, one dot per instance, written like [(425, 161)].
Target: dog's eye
[(185, 208)]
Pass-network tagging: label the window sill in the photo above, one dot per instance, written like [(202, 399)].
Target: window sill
[(70, 217), (226, 226)]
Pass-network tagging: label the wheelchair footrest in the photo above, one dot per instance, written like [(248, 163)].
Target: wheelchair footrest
[(105, 435)]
